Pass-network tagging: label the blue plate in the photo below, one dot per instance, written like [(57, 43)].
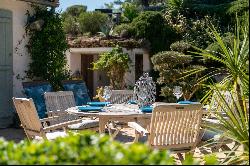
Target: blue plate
[(89, 108), (99, 104), (147, 109), (185, 102)]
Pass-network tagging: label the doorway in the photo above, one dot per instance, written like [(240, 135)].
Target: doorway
[(138, 66), (87, 72)]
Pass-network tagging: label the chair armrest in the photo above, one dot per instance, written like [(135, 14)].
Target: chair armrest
[(61, 125), (49, 119), (138, 128)]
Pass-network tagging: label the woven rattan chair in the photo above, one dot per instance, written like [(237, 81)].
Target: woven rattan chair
[(173, 126), (56, 104), (33, 126)]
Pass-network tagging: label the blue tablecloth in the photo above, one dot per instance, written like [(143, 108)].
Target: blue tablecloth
[(147, 109), (99, 104), (89, 108)]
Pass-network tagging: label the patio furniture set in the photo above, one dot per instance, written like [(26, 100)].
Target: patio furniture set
[(175, 126)]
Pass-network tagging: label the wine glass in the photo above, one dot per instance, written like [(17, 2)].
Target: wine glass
[(107, 93), (177, 91)]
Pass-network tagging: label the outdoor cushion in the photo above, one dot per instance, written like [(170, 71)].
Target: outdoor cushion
[(52, 135), (147, 109), (100, 104), (185, 102), (80, 91), (85, 124), (89, 108), (36, 92), (211, 136)]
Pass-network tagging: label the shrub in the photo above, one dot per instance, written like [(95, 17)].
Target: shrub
[(83, 148), (92, 21), (130, 12), (116, 64), (71, 26), (181, 46), (47, 46), (151, 26), (172, 66), (124, 30)]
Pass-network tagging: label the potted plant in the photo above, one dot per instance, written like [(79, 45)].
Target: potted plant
[(116, 64)]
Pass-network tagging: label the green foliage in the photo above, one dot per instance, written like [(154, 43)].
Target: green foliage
[(47, 46), (151, 26), (130, 12), (70, 19), (71, 26), (75, 10), (172, 66), (181, 46), (234, 124), (124, 30), (107, 28), (234, 60), (116, 64), (83, 148), (92, 21)]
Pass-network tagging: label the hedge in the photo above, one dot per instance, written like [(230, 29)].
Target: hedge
[(83, 148)]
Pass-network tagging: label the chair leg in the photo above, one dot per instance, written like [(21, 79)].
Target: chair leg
[(180, 156)]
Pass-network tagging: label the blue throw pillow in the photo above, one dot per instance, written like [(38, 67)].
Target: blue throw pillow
[(80, 92), (36, 93)]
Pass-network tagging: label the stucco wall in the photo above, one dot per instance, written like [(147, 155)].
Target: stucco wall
[(20, 55), (74, 61)]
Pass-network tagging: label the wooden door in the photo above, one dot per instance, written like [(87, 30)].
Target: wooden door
[(138, 66), (87, 73), (6, 73)]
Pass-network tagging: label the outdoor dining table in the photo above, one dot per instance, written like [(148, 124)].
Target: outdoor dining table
[(115, 112), (118, 112)]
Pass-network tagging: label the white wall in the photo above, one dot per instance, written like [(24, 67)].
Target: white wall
[(74, 61), (20, 56)]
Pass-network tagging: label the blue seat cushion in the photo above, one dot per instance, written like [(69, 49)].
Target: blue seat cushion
[(79, 90), (36, 92), (185, 102), (147, 109), (100, 104)]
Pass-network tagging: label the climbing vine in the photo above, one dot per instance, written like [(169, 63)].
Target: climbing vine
[(47, 45)]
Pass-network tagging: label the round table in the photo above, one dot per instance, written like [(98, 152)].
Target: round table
[(116, 112)]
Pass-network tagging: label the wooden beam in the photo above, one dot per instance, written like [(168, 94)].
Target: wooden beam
[(55, 3)]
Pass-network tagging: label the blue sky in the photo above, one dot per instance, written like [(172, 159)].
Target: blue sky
[(91, 4)]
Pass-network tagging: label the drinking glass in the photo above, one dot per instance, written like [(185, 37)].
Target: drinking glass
[(177, 91), (107, 93)]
